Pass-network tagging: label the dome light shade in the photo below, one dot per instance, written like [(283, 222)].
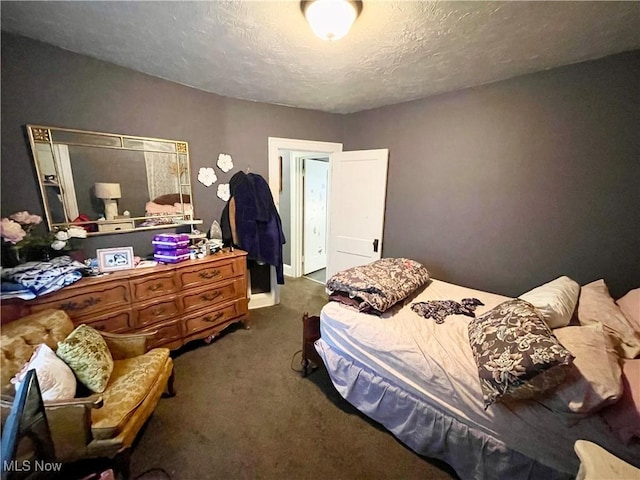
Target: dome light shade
[(331, 19)]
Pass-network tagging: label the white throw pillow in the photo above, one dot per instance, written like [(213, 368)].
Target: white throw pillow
[(556, 300), (56, 380)]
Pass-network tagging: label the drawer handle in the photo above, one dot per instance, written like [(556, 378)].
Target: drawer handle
[(213, 318), (210, 274), (211, 296), (155, 287), (158, 311), (75, 306), (100, 327)]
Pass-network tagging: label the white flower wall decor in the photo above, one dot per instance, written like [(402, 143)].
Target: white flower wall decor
[(207, 176), (225, 163), (223, 191)]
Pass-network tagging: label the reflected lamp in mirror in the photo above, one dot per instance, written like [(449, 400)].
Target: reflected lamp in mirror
[(109, 194)]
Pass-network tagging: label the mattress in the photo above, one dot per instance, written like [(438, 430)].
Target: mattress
[(391, 367)]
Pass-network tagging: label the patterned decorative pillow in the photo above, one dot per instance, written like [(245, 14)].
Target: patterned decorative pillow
[(516, 354), (88, 355), (378, 286)]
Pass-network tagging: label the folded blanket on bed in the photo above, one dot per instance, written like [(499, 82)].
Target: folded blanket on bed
[(441, 309), (376, 287)]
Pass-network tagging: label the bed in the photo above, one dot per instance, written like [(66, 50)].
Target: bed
[(165, 209), (418, 378)]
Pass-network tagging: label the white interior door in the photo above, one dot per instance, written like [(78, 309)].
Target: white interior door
[(357, 194), (316, 178)]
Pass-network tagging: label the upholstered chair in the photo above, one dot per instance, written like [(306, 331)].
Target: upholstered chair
[(99, 425)]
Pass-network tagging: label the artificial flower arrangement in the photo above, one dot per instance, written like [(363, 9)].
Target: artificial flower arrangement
[(17, 232)]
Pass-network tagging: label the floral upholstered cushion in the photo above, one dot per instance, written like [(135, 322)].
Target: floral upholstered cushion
[(376, 287), (130, 383), (88, 355), (516, 354)]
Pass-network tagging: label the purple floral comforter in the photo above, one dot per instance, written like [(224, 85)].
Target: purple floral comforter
[(376, 287)]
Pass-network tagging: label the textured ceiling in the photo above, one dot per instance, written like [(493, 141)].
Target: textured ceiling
[(395, 52)]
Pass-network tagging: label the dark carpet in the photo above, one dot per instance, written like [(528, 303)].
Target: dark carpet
[(242, 412)]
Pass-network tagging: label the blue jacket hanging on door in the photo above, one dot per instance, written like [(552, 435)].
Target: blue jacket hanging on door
[(258, 228)]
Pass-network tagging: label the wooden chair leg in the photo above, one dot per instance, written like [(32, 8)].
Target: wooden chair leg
[(122, 463), (171, 392)]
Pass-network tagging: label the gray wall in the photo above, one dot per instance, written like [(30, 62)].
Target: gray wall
[(45, 85), (509, 185)]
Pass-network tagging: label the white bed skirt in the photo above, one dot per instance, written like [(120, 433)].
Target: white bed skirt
[(427, 430)]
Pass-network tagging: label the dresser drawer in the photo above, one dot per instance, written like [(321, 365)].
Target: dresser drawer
[(152, 286), (154, 311), (202, 321), (194, 275), (167, 332), (207, 297), (89, 300), (117, 322)]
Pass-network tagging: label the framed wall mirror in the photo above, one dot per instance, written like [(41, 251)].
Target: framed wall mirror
[(111, 183)]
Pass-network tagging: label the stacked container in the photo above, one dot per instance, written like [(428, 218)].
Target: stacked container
[(171, 247)]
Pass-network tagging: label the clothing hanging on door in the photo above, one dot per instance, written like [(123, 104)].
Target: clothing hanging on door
[(251, 221)]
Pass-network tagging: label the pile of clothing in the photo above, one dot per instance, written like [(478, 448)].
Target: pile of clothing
[(33, 279), (250, 221)]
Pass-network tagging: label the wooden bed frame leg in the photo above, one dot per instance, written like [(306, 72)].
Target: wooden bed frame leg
[(310, 333)]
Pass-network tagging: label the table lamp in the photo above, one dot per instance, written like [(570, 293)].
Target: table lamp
[(109, 192)]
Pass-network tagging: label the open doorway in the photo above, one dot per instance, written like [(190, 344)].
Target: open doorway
[(299, 180), (315, 200), (304, 200)]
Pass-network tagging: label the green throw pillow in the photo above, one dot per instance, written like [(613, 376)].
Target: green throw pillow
[(88, 355)]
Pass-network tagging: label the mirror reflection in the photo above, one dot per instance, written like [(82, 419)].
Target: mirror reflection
[(111, 183)]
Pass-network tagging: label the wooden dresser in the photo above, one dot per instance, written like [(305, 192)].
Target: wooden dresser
[(182, 302)]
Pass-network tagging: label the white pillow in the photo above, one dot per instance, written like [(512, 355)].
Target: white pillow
[(56, 380), (556, 300)]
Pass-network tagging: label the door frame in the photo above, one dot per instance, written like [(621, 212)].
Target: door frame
[(298, 148)]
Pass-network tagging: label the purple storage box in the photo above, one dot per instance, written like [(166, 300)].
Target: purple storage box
[(170, 251), (171, 240), (170, 258)]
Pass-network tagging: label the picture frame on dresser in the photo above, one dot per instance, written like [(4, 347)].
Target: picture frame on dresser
[(112, 259)]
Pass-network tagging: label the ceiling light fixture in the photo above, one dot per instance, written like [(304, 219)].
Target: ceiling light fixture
[(331, 19)]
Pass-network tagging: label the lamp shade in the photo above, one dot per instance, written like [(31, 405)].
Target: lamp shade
[(330, 19), (108, 190)]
